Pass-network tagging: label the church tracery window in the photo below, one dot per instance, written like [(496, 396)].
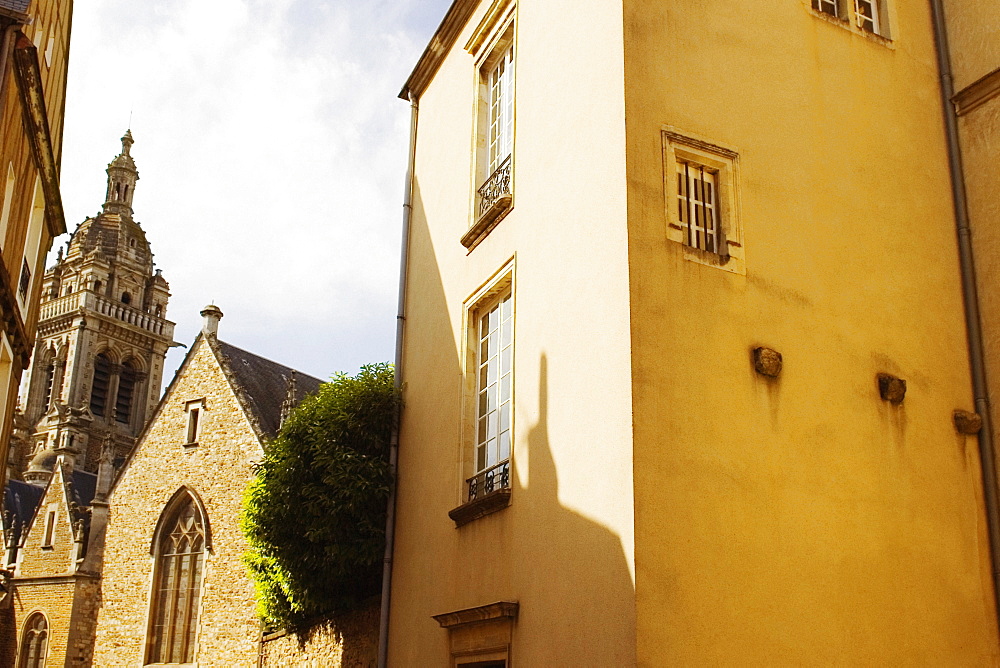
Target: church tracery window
[(34, 642), (179, 564)]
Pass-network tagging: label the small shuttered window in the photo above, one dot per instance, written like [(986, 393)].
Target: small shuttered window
[(99, 390), (697, 206), (831, 7), (126, 392), (867, 12)]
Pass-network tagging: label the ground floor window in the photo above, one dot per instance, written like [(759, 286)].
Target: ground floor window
[(34, 642)]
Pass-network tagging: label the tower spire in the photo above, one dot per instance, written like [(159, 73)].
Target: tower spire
[(122, 176)]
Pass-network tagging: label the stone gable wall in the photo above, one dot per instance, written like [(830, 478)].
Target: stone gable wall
[(33, 559), (217, 469)]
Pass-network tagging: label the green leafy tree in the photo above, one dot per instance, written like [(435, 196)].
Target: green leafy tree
[(314, 514)]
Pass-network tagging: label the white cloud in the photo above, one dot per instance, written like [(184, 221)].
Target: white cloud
[(271, 151)]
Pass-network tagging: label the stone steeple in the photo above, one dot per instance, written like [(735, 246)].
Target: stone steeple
[(102, 336), (122, 177)]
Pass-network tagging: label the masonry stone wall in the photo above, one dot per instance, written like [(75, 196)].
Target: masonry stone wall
[(217, 469), (54, 599), (8, 634), (83, 624), (36, 560), (348, 641)]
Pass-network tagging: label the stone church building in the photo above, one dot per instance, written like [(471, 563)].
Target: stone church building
[(121, 513), (95, 376), (142, 564), (174, 588)]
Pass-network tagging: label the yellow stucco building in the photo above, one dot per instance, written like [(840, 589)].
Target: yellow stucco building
[(685, 339), (34, 57)]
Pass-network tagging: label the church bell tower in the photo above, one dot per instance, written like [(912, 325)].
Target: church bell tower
[(97, 365)]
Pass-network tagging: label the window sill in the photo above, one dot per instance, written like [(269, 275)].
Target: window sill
[(490, 218), (841, 21), (848, 25), (192, 444), (480, 507)]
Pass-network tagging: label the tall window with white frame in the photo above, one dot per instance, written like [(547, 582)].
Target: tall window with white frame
[(494, 393), (697, 207), (496, 130), (501, 82), (180, 559)]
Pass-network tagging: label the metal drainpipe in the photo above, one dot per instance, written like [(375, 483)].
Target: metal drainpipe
[(969, 295), (390, 516)]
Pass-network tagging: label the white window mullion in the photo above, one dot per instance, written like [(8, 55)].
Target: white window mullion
[(867, 14), (697, 194)]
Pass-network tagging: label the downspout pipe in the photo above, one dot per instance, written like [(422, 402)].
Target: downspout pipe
[(390, 515), (970, 296)]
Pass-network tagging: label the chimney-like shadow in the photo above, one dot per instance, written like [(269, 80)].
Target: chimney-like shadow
[(573, 566)]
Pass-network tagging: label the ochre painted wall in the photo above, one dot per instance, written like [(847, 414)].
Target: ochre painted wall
[(974, 36), (801, 520), (563, 548)]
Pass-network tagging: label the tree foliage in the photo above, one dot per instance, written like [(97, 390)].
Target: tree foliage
[(314, 514)]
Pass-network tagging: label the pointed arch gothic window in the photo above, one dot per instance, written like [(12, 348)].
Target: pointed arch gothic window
[(126, 392), (99, 390), (34, 642), (179, 562)]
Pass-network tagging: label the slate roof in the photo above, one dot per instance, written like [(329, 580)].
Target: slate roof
[(20, 500), (265, 384), (19, 503), (84, 487), (19, 6)]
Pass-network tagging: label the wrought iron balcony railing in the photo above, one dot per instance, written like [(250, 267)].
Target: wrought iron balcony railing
[(496, 188), (488, 481)]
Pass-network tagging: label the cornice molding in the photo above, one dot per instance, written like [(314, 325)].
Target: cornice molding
[(483, 613), (441, 43), (977, 93), (498, 13), (36, 123)]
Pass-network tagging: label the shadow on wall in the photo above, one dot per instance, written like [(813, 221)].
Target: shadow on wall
[(569, 573), (8, 633), (578, 564), (349, 640)]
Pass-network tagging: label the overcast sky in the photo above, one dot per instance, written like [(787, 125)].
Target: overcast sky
[(271, 151)]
